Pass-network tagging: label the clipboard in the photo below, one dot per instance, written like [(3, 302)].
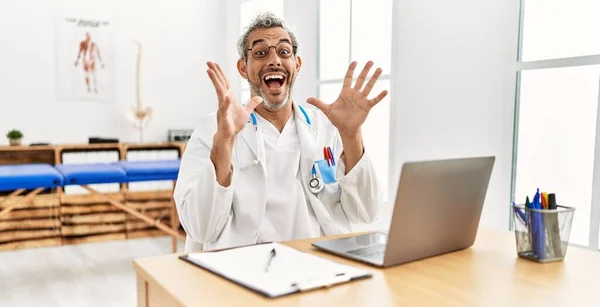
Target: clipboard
[(288, 271)]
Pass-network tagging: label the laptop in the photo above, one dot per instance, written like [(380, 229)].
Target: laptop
[(437, 210)]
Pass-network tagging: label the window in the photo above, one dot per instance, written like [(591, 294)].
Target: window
[(556, 142), (557, 107), (248, 11), (560, 29), (348, 32)]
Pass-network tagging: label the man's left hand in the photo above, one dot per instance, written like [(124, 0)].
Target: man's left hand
[(350, 110)]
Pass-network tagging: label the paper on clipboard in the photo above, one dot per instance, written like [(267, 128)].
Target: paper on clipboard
[(288, 272)]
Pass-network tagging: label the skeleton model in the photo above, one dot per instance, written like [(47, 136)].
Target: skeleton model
[(137, 114)]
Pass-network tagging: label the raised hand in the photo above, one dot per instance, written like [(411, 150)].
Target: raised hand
[(231, 119), (351, 108), (231, 116)]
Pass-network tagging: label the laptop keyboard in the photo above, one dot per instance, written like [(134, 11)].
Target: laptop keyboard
[(372, 251)]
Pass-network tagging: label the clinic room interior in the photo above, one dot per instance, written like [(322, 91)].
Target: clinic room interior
[(305, 153)]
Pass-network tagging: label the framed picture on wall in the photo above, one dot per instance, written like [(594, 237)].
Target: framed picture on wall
[(85, 59)]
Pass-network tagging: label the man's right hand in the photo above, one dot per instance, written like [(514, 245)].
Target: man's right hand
[(231, 119), (231, 116)]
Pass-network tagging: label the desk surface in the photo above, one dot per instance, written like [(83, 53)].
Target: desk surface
[(487, 274)]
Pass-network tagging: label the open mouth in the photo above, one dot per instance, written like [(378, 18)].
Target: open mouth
[(274, 81)]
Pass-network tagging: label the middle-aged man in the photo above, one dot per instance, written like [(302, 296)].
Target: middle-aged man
[(271, 170)]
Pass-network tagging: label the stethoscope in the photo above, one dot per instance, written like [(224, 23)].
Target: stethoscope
[(315, 184)]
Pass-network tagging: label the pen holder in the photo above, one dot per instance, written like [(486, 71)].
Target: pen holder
[(542, 235)]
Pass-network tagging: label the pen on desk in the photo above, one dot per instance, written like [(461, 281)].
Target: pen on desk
[(271, 256)]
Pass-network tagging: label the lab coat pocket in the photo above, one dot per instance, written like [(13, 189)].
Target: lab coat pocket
[(326, 171)]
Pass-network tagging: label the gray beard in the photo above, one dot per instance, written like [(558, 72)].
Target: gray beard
[(268, 104)]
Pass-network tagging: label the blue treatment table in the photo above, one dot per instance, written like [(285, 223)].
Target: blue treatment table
[(21, 177), (150, 170), (18, 178), (29, 176), (83, 174)]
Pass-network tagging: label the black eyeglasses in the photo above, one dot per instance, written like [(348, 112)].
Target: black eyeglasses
[(284, 50)]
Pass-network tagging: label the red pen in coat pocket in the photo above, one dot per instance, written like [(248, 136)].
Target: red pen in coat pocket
[(326, 155)]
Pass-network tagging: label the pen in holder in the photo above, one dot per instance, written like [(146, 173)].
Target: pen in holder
[(542, 235)]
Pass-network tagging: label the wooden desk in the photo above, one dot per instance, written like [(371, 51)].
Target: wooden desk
[(488, 274)]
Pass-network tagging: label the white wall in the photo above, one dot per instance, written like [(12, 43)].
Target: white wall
[(454, 87), (303, 19), (179, 36), (229, 41)]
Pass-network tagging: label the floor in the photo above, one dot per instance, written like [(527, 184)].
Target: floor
[(93, 274)]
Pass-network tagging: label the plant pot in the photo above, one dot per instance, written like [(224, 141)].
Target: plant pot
[(15, 142)]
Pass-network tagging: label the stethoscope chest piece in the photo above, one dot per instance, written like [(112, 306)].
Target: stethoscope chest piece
[(315, 184)]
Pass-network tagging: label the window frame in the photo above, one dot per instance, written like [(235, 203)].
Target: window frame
[(384, 76)]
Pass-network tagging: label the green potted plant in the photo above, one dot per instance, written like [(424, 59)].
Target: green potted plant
[(14, 137)]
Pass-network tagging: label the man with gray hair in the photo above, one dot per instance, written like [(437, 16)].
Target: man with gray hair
[(269, 169)]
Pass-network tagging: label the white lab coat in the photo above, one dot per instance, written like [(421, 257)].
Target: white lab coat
[(216, 217)]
